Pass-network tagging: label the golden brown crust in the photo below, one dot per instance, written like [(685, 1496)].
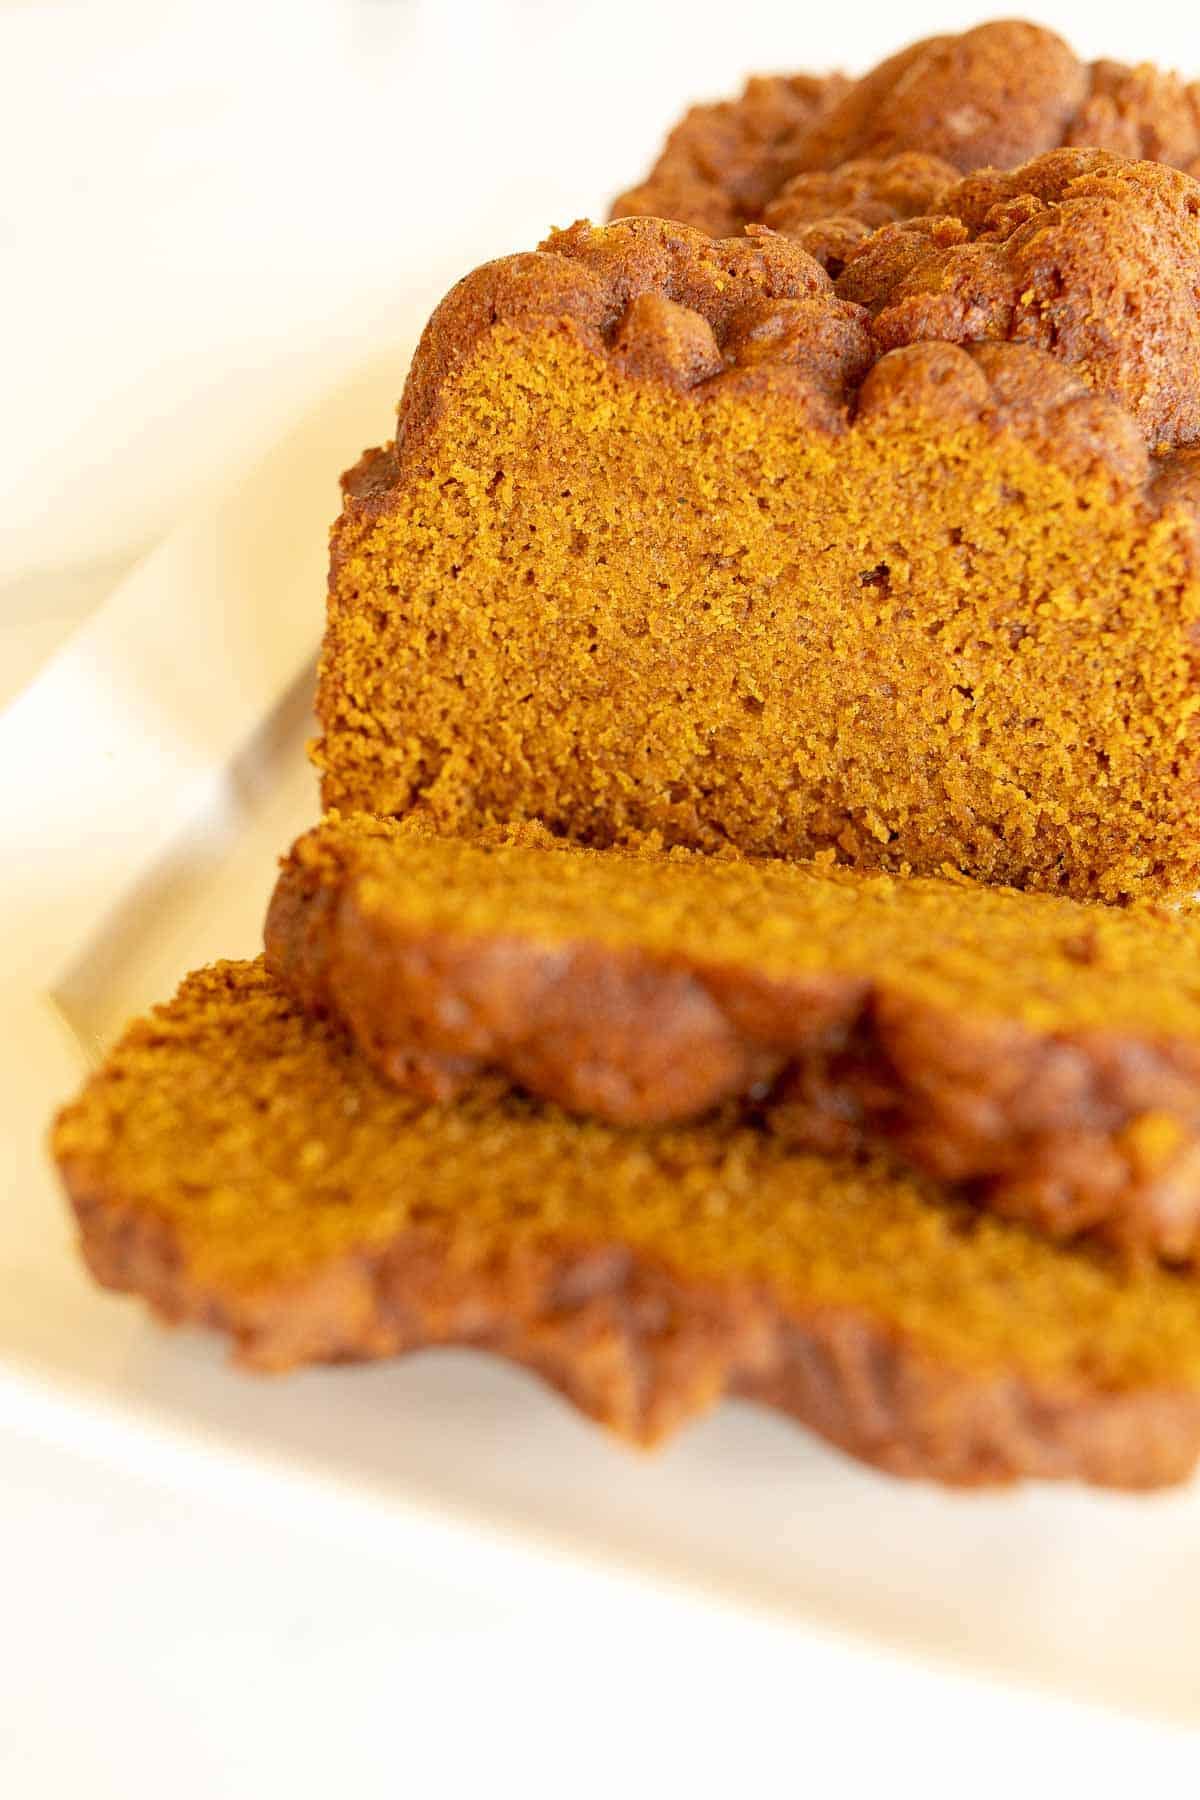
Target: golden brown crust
[(1069, 1126), (1141, 111), (721, 164), (664, 303), (994, 96), (196, 1141), (829, 213), (658, 301), (643, 1354), (1079, 253), (1018, 389)]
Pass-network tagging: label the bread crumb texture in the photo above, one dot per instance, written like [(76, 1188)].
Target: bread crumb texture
[(680, 542), (238, 1164)]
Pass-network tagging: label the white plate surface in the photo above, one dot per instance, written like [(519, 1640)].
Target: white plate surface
[(152, 775)]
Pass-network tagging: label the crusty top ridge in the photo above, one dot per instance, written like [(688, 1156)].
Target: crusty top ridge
[(1084, 254), (662, 301), (723, 164), (1060, 301), (993, 96)]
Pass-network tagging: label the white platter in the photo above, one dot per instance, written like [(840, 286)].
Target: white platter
[(152, 774)]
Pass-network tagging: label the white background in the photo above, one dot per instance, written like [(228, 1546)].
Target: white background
[(205, 207), (207, 214)]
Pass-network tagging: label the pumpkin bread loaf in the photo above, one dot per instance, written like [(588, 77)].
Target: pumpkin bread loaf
[(1044, 1051), (832, 157), (736, 592), (239, 1165), (682, 543)]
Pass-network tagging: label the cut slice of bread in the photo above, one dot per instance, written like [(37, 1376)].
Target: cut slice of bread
[(1045, 1051), (239, 1165), (681, 543)]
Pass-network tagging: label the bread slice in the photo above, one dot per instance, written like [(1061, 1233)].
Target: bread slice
[(681, 543), (239, 1165), (767, 154), (1045, 1051)]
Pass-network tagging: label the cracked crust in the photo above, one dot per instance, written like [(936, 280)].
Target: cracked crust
[(1038, 1067), (997, 95), (658, 302), (830, 214), (1091, 258), (722, 164), (239, 1167), (1103, 357)]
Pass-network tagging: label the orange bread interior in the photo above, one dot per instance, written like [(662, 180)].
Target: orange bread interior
[(239, 1165), (680, 544)]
